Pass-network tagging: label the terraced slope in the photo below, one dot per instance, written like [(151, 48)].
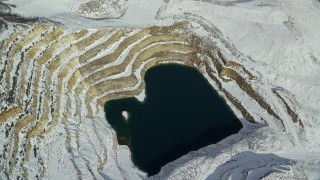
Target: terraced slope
[(54, 84)]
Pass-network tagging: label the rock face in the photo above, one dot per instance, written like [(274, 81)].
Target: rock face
[(54, 81)]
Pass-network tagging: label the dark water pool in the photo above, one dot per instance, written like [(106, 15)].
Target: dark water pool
[(181, 113)]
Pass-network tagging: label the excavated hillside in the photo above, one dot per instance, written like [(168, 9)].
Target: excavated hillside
[(55, 81)]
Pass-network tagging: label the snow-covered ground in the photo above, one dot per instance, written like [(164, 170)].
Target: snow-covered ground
[(277, 40), (94, 9)]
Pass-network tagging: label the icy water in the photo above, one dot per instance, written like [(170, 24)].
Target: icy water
[(182, 112)]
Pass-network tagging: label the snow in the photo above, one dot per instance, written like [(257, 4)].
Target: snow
[(310, 162), (276, 39), (39, 7), (125, 114), (138, 13), (141, 96), (95, 9)]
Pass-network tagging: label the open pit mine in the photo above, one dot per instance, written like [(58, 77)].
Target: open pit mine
[(55, 80)]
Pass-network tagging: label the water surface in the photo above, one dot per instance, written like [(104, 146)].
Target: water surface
[(182, 112)]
